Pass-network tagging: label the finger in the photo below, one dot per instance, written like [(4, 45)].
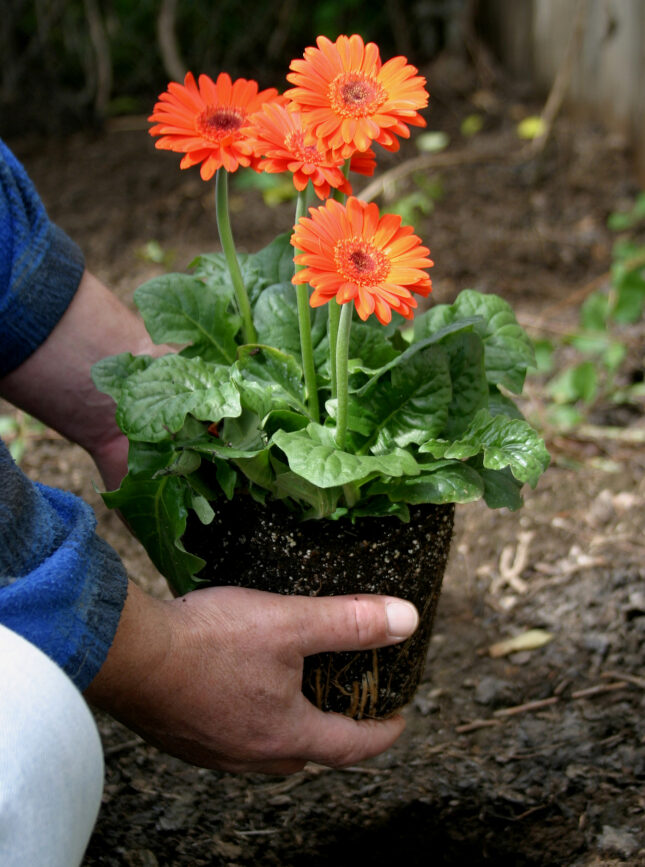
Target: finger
[(332, 623), (337, 741)]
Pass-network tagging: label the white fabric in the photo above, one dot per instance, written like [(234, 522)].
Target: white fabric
[(51, 761)]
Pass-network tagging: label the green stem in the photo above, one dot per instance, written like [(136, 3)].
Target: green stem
[(334, 309), (304, 324), (342, 358), (333, 313), (228, 246)]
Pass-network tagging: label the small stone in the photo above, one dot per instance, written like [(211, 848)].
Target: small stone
[(492, 691), (618, 840)]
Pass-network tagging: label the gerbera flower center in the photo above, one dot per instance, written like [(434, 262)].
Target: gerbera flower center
[(215, 123), (358, 261), (295, 143), (354, 95)]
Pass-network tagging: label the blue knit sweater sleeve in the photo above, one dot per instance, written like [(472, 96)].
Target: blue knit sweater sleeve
[(61, 586), (40, 267)]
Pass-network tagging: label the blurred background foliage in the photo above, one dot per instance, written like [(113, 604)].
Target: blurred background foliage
[(67, 63)]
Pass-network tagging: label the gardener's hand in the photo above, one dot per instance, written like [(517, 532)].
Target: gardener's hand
[(214, 677)]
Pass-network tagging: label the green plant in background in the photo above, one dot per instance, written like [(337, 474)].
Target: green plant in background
[(420, 201), (16, 429), (594, 377)]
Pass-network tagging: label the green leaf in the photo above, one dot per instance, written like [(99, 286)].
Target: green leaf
[(155, 401), (630, 295), (369, 349), (156, 513), (281, 419), (501, 489), (579, 382), (269, 379), (202, 508), (502, 441), (452, 482), (544, 352), (258, 469), (313, 454), (418, 346), (275, 261), (179, 308), (465, 352), (146, 459), (322, 502), (500, 404), (276, 320), (507, 349), (213, 269), (109, 374), (595, 312), (408, 407)]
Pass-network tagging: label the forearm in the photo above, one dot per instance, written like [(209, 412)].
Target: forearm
[(55, 384)]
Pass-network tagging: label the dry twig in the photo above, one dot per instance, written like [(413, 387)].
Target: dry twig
[(600, 689), (527, 707)]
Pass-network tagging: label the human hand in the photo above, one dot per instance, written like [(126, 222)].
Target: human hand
[(214, 677)]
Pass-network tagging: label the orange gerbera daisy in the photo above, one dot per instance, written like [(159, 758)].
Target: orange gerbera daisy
[(351, 253), (205, 121), (279, 138), (349, 99)]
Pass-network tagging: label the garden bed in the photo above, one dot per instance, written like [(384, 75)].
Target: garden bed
[(536, 757)]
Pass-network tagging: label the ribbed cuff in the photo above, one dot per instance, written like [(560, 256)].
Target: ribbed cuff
[(40, 298)]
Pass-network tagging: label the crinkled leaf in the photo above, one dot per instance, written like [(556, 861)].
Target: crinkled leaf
[(451, 482), (313, 454), (146, 459), (243, 432), (504, 442), (109, 374), (500, 404), (501, 489), (179, 308), (410, 405), (156, 512), (369, 348), (258, 469), (321, 501), (507, 349), (275, 261), (276, 319), (155, 401), (465, 352), (269, 379), (418, 346), (213, 269)]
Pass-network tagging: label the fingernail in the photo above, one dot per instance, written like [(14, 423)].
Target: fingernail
[(402, 618)]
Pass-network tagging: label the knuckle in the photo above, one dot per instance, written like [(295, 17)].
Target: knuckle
[(365, 623)]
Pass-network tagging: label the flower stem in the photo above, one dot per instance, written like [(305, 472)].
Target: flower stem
[(228, 246), (304, 324), (342, 382), (334, 310), (333, 314)]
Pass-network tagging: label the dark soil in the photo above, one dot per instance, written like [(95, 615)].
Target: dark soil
[(528, 757)]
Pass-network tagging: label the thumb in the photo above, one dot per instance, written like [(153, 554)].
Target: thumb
[(360, 622)]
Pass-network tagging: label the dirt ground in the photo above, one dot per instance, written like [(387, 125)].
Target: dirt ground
[(536, 757)]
